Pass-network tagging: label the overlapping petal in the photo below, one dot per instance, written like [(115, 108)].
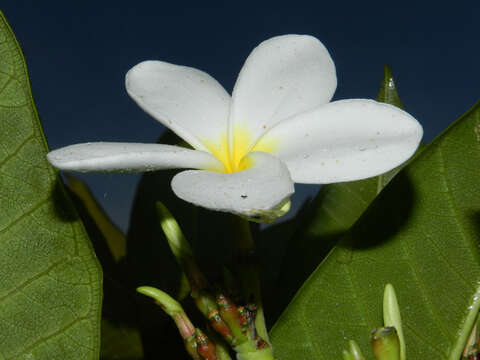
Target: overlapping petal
[(130, 157), (283, 76), (344, 140), (277, 126), (188, 101), (258, 192)]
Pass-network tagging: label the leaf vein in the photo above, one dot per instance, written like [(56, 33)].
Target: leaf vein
[(15, 152), (24, 215)]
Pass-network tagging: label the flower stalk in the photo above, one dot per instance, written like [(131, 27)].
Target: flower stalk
[(251, 317), (248, 270)]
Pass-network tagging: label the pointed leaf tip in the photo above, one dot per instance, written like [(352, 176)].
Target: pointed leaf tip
[(388, 89)]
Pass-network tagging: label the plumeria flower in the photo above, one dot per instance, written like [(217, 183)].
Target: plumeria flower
[(277, 128)]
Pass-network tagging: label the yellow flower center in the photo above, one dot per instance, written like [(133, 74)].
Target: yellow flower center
[(242, 145)]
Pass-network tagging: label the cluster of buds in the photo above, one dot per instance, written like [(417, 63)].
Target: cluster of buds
[(234, 324), (227, 323)]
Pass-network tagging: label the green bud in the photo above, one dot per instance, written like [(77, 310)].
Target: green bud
[(172, 308), (385, 344), (229, 313), (346, 355), (180, 248), (354, 351), (392, 318), (177, 242), (166, 302), (205, 302)]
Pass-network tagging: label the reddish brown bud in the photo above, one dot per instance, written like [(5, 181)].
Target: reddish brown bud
[(474, 356), (229, 313), (243, 316), (205, 348), (220, 326), (260, 343)]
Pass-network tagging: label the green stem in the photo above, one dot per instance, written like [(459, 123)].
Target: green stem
[(245, 247)]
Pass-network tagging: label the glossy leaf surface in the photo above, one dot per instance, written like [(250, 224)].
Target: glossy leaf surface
[(333, 211), (421, 234)]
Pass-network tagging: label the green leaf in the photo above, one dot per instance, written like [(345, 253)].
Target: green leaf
[(388, 90), (333, 211), (50, 284), (421, 234)]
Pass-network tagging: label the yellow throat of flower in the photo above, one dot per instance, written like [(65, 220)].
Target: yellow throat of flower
[(236, 160)]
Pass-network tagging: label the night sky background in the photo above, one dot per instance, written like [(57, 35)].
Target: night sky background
[(78, 53)]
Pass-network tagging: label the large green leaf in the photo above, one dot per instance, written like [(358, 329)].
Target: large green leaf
[(50, 283), (422, 235), (333, 211)]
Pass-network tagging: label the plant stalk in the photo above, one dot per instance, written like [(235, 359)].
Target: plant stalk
[(249, 272)]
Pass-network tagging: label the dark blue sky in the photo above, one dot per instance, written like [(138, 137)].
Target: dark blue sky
[(79, 52)]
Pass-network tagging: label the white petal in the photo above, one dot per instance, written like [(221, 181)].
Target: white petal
[(186, 100), (129, 157), (258, 191), (344, 140), (283, 76)]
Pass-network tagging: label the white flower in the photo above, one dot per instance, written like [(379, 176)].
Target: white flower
[(277, 128)]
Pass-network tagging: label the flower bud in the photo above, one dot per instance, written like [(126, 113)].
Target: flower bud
[(229, 313), (205, 347), (385, 344), (353, 353), (392, 318), (221, 327)]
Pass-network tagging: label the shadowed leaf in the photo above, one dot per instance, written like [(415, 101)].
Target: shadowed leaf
[(421, 234), (333, 211)]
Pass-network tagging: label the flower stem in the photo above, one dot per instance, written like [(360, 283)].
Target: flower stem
[(248, 269)]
